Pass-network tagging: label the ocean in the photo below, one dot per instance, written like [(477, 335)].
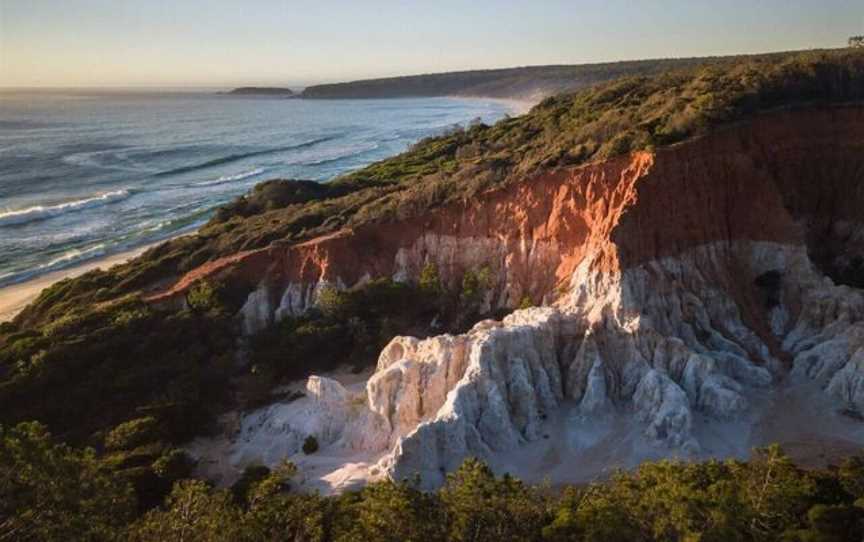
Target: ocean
[(84, 175)]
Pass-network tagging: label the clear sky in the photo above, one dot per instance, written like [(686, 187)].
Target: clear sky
[(292, 42)]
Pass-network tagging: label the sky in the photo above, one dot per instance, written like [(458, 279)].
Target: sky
[(225, 43)]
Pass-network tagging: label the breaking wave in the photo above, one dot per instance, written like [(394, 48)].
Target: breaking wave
[(230, 178), (43, 212)]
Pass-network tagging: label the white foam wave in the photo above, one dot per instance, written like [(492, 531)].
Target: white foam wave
[(230, 178), (157, 227), (43, 212), (73, 255)]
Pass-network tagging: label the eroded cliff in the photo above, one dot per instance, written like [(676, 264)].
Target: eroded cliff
[(689, 310)]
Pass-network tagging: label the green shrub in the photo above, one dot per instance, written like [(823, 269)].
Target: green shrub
[(429, 280), (310, 445), (250, 477), (394, 511), (134, 433), (332, 302), (50, 491), (483, 507), (202, 297), (192, 512), (174, 465)]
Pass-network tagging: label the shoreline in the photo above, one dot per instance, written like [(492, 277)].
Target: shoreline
[(14, 298)]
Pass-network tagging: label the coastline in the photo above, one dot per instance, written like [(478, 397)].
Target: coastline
[(14, 298)]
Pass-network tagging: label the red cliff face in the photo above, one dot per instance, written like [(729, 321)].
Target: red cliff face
[(789, 177), (531, 236), (784, 177)]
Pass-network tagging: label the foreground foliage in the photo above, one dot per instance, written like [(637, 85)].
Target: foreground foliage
[(49, 491)]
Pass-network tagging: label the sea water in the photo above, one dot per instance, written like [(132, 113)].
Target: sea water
[(87, 174)]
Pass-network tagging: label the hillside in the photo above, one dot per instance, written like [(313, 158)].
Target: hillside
[(656, 266), (530, 83)]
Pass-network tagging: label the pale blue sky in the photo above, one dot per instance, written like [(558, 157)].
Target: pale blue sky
[(236, 42)]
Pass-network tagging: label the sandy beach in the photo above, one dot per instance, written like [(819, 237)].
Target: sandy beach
[(17, 296)]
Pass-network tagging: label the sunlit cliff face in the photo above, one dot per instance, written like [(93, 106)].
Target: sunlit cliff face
[(690, 311)]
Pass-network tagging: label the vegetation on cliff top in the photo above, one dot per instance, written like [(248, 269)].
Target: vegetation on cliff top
[(629, 114), (610, 119)]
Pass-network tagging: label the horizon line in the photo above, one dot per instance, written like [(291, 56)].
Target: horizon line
[(179, 86)]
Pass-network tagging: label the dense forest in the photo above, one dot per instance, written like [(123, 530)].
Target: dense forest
[(49, 491), (121, 384)]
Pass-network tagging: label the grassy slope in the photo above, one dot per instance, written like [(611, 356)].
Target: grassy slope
[(89, 354)]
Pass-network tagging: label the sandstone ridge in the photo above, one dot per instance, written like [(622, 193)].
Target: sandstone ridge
[(689, 311)]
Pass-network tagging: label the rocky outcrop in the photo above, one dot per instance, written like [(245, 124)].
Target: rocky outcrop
[(684, 287)]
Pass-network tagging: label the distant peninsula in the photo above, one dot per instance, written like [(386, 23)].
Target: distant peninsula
[(528, 83), (522, 83), (263, 91)]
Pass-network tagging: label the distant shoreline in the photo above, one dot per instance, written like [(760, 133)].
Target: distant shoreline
[(280, 92), (14, 298)]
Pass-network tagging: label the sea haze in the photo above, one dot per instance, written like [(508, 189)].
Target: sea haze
[(86, 175)]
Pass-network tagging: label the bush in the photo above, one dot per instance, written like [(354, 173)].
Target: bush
[(526, 302), (49, 491), (250, 477), (134, 433), (483, 507), (193, 512), (310, 445), (394, 511), (174, 465), (202, 297), (429, 280)]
